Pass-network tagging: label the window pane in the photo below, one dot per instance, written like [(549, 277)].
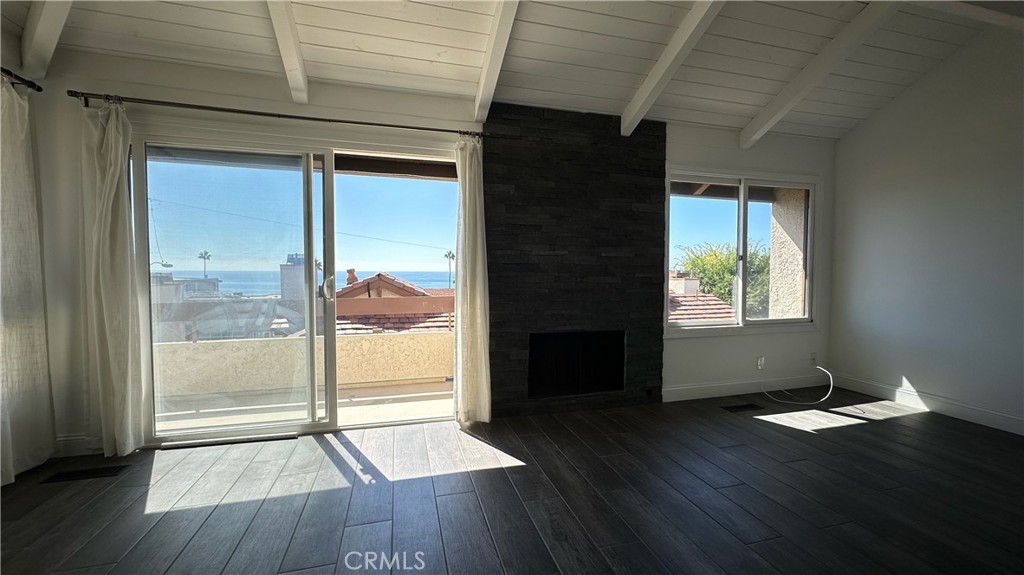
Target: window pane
[(702, 236), (228, 289), (777, 252)]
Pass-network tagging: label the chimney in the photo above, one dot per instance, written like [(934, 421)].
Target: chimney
[(352, 278), (682, 284)]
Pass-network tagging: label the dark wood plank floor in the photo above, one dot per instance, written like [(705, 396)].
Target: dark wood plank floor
[(855, 485)]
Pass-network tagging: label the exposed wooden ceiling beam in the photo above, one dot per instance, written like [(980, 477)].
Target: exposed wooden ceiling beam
[(701, 189), (287, 34), (39, 39), (678, 48), (848, 39), (1005, 14), (497, 43)]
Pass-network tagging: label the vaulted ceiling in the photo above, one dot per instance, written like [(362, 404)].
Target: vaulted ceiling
[(805, 68)]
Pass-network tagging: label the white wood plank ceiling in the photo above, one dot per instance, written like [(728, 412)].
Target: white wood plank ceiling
[(782, 67)]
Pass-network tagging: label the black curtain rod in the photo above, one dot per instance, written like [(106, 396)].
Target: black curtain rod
[(86, 96), (16, 79)]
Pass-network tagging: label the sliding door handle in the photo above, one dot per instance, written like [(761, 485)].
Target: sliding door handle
[(327, 288)]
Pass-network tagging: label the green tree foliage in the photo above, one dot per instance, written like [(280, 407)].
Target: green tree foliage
[(757, 278), (715, 266)]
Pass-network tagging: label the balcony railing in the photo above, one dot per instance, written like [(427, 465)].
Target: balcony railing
[(260, 365)]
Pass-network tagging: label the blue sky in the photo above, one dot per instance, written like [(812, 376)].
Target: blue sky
[(420, 212), (251, 218), (695, 221)]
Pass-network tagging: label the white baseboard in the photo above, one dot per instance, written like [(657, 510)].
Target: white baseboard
[(936, 403), (723, 388), (72, 445)]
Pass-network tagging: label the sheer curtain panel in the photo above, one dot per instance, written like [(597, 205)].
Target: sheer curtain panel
[(115, 388), (472, 315), (28, 436)]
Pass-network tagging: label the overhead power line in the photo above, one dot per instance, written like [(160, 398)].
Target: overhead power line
[(290, 224)]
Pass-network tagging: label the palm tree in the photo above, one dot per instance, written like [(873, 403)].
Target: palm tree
[(450, 256), (205, 256), (319, 267)]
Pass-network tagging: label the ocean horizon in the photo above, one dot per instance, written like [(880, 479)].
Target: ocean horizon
[(269, 282)]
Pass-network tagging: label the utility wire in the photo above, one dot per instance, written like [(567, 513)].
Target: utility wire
[(156, 238), (290, 224)]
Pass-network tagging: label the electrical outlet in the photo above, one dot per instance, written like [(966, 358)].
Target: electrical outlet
[(814, 358), (760, 362)]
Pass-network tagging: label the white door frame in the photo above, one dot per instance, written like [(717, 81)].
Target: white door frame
[(275, 137)]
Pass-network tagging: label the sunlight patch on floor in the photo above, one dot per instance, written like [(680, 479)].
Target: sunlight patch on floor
[(810, 420), (878, 410), (474, 454)]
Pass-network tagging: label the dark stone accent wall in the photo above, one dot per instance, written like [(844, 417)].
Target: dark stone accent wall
[(575, 217)]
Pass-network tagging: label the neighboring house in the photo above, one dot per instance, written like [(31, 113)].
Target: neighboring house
[(698, 307), (687, 304), (237, 318), (194, 309), (433, 313), (248, 318), (390, 323), (165, 288)]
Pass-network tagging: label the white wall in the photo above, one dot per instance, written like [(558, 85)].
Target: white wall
[(723, 361), (10, 51), (929, 244), (57, 121)]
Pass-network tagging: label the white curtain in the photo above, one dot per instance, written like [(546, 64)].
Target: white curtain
[(115, 389), (27, 437), (472, 307)]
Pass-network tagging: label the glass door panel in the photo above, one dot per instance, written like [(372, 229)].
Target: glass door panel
[(778, 226), (703, 278), (231, 288), (394, 314)]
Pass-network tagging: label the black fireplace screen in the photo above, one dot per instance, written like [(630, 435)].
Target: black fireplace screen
[(576, 362)]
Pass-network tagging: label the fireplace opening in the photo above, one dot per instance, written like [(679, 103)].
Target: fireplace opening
[(576, 363)]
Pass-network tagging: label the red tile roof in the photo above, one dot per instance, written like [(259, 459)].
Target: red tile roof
[(699, 307), (395, 323), (360, 287)]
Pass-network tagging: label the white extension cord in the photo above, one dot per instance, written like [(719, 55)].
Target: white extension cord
[(831, 385)]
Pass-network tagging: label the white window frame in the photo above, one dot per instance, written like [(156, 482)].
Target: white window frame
[(743, 325)]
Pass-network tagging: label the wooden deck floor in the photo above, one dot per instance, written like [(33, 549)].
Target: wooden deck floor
[(856, 485)]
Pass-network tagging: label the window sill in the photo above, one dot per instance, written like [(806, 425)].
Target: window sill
[(674, 332)]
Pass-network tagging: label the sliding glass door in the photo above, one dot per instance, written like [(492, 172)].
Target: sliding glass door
[(236, 286), (257, 326)]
